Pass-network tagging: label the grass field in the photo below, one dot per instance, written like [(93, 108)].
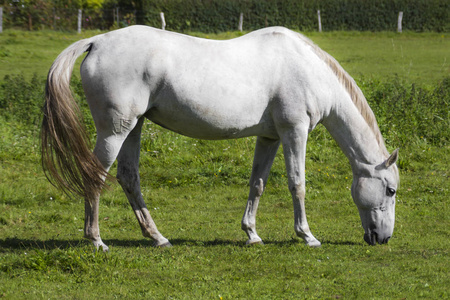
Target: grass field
[(197, 190)]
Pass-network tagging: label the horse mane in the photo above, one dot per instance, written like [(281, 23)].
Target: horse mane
[(352, 88)]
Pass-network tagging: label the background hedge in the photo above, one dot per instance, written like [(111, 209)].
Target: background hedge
[(223, 15), (364, 15)]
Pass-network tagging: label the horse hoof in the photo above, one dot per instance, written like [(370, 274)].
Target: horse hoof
[(314, 244), (163, 245), (101, 248), (256, 242)]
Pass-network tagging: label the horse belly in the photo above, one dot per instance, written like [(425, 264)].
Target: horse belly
[(212, 122)]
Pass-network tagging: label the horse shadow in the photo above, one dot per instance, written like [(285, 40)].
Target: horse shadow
[(14, 244)]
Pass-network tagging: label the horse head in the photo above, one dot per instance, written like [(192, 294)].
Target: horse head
[(373, 191)]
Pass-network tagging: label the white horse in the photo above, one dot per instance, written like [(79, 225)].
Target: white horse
[(272, 83)]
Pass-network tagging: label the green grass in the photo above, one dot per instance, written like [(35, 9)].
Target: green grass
[(419, 58), (41, 233), (197, 190), (23, 52)]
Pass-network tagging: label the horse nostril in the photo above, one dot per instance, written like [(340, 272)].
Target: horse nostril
[(371, 238), (374, 237), (386, 240)]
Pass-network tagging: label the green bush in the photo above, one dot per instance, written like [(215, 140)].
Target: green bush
[(21, 99), (409, 113), (406, 113)]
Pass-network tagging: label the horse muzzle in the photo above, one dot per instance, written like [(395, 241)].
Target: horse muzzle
[(372, 238)]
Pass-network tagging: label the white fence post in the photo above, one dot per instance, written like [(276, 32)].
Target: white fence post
[(241, 21), (79, 20), (1, 19), (318, 20), (163, 21), (399, 22)]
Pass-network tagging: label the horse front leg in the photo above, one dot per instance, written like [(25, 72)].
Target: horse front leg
[(294, 148), (129, 179), (265, 152)]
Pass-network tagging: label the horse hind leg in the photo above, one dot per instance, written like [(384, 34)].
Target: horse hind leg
[(106, 149), (265, 152), (129, 179)]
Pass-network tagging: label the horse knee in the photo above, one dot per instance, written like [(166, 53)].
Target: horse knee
[(297, 190)]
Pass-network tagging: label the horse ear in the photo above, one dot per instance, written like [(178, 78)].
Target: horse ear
[(392, 159), (388, 162)]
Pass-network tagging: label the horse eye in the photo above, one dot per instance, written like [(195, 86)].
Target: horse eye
[(390, 192)]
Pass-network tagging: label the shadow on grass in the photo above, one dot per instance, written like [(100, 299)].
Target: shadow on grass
[(224, 242), (12, 244), (16, 244)]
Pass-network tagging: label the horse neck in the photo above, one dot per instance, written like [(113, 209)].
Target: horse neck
[(357, 139)]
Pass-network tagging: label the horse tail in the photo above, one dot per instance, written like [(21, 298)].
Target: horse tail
[(67, 160)]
